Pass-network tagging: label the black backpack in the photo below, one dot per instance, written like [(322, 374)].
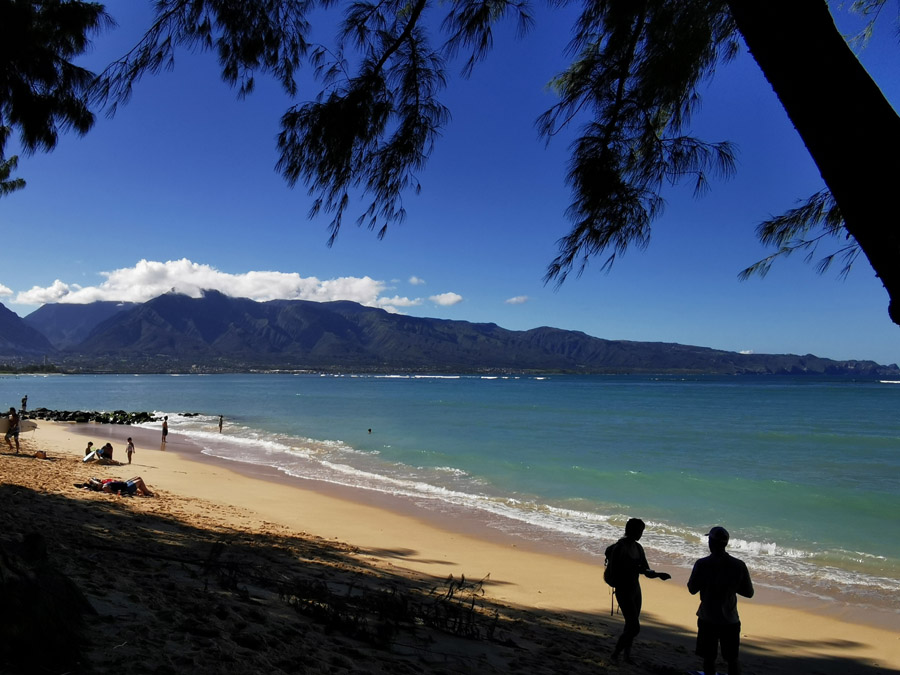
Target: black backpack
[(616, 564)]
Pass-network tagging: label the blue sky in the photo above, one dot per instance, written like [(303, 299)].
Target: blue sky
[(179, 190)]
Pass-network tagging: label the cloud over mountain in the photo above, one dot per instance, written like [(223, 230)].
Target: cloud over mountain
[(149, 279)]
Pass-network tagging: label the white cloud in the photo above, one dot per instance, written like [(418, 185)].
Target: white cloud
[(4, 291), (148, 279), (53, 293), (416, 281), (446, 299), (746, 351), (518, 300), (391, 304)]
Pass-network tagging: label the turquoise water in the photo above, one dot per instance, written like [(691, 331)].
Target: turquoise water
[(805, 473)]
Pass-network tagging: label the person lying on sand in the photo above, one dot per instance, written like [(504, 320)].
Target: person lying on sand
[(120, 487)]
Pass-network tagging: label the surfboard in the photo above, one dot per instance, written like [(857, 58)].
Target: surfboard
[(24, 425), (93, 455)]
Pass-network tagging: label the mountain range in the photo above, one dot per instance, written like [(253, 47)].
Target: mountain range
[(178, 333)]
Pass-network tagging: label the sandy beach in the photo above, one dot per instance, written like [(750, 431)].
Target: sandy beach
[(221, 572)]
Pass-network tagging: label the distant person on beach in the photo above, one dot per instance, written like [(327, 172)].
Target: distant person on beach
[(626, 562), (89, 449), (129, 449), (24, 403), (13, 431), (165, 428), (719, 578), (220, 424)]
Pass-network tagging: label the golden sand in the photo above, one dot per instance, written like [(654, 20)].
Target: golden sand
[(221, 572)]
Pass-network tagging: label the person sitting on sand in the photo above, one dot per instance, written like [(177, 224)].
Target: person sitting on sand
[(119, 487), (106, 452), (631, 562), (13, 431), (89, 449)]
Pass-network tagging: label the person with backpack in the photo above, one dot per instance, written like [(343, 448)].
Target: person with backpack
[(625, 563)]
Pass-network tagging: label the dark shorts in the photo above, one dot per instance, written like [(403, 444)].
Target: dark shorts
[(12, 433), (711, 635), (122, 487)]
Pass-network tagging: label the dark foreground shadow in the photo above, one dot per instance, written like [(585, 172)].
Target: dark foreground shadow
[(105, 585)]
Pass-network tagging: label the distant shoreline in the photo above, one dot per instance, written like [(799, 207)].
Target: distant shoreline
[(465, 373)]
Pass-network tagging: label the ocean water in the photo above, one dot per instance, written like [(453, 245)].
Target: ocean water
[(804, 472)]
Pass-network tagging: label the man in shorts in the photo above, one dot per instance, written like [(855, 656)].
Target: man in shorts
[(719, 578), (13, 430)]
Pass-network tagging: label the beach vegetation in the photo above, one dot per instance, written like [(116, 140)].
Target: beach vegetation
[(36, 368), (625, 104), (378, 614)]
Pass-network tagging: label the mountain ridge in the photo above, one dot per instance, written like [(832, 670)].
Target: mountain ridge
[(178, 333)]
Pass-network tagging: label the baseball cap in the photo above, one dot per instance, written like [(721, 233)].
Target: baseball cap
[(719, 534)]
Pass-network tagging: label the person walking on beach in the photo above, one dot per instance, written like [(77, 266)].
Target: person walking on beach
[(626, 562), (13, 430), (719, 578), (129, 449), (165, 428)]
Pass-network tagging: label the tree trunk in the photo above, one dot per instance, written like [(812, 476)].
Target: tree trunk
[(849, 128)]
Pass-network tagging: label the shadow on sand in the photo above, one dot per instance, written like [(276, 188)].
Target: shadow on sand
[(99, 584)]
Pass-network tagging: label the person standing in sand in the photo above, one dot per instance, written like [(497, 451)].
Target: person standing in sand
[(719, 578), (165, 428), (626, 563), (13, 431), (129, 449)]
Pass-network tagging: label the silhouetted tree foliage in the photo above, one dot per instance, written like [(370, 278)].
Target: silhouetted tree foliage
[(41, 91), (629, 93), (7, 184)]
